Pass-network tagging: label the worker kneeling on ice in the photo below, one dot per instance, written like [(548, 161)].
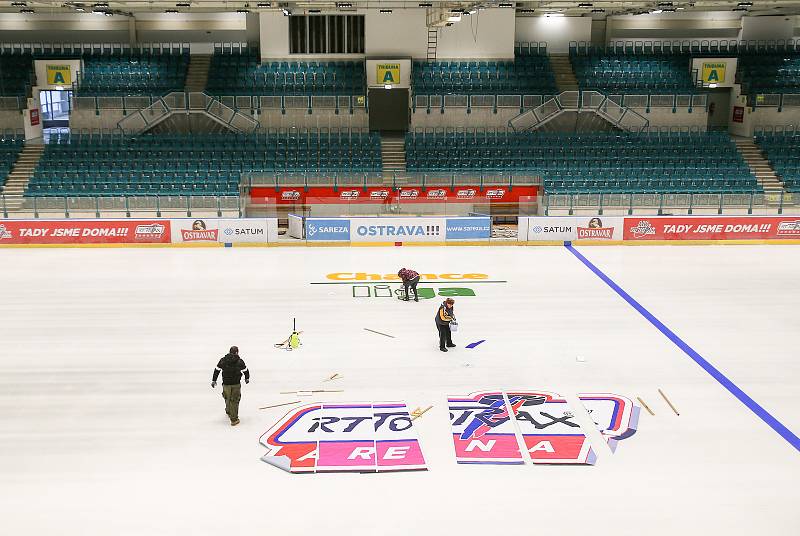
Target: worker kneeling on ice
[(444, 318)]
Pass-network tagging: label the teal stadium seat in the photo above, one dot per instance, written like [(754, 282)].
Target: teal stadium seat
[(199, 164), (782, 149), (243, 73), (606, 162)]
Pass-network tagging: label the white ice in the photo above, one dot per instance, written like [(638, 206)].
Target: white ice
[(109, 425)]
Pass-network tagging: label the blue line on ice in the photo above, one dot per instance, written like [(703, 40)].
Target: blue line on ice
[(743, 397)]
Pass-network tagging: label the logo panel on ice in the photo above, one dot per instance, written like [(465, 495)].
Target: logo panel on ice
[(369, 437), (482, 429), (327, 230), (548, 431)]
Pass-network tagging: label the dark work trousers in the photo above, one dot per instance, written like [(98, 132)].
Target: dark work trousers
[(232, 395), (444, 335), (412, 284)]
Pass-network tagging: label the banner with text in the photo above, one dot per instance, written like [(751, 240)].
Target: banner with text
[(84, 232), (226, 231), (711, 228), (327, 195), (413, 229), (557, 228)]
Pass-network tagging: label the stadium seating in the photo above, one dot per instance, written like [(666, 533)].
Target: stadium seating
[(783, 152), (133, 73), (529, 75), (9, 151), (769, 73), (592, 162), (16, 71), (640, 73), (179, 164), (241, 73)]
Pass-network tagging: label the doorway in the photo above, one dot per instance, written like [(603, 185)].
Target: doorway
[(56, 108), (389, 109), (719, 108)]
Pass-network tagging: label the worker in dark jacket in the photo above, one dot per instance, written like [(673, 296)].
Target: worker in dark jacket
[(444, 316), (410, 279), (232, 367)]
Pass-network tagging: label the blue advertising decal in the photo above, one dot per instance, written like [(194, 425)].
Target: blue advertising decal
[(327, 230), (468, 228)]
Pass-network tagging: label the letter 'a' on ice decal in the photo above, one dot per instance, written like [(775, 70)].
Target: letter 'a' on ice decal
[(548, 430), (482, 430), (543, 430), (617, 417), (357, 437)]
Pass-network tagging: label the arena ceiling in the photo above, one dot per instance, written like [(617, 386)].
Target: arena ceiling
[(594, 8)]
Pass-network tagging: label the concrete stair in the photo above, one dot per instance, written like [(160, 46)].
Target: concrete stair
[(565, 75), (393, 156), (20, 175), (765, 175), (197, 73)]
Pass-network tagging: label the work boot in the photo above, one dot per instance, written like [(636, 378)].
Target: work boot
[(443, 349), (416, 299), (405, 299), (451, 345), (234, 423)]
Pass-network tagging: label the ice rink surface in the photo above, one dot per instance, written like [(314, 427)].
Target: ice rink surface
[(109, 425)]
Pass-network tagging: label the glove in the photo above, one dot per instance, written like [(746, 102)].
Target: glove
[(213, 385), (247, 380)]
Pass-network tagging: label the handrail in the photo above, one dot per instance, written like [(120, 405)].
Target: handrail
[(175, 102)]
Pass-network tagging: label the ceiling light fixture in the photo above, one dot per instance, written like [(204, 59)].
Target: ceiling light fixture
[(27, 10), (171, 11), (386, 11)]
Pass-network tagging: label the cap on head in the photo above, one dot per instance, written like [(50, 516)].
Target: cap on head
[(234, 350)]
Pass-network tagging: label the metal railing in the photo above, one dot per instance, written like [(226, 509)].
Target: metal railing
[(252, 104), (773, 100), (686, 46), (179, 102), (423, 180), (594, 101), (118, 206), (668, 203)]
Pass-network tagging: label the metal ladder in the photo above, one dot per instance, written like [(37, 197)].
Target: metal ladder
[(433, 43)]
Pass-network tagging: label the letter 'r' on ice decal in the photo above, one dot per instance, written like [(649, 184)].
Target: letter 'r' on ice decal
[(371, 437), (617, 417)]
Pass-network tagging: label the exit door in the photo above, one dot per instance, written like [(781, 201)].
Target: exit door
[(56, 108)]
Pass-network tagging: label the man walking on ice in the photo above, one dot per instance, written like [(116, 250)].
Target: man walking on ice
[(444, 316), (232, 367), (410, 279)]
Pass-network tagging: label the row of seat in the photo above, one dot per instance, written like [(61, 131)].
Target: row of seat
[(180, 164), (769, 73), (525, 75), (783, 152), (653, 74), (603, 162), (242, 73), (132, 75)]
